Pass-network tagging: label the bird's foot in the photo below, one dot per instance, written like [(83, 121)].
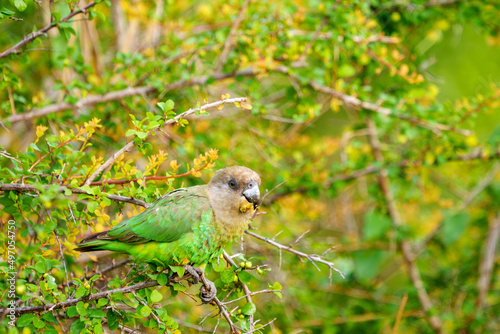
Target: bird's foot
[(208, 291), (196, 273)]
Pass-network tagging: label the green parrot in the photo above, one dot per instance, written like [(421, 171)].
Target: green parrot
[(187, 226)]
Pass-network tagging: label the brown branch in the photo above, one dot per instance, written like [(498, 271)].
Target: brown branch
[(129, 145), (34, 35), (488, 261), (147, 178), (30, 188), (425, 301), (437, 128), (87, 101), (248, 293), (311, 257), (95, 296), (230, 38)]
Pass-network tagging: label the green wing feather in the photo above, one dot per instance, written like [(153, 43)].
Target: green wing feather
[(165, 221)]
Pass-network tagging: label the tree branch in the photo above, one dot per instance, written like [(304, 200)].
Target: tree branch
[(409, 256), (129, 145), (70, 302), (31, 188), (85, 102), (230, 38), (488, 261), (311, 257), (34, 35)]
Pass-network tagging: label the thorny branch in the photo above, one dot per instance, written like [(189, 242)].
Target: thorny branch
[(311, 257), (34, 35), (129, 145)]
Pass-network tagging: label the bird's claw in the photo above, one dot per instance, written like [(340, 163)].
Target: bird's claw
[(208, 289), (207, 295), (196, 273)]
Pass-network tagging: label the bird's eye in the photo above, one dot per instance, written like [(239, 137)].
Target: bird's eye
[(232, 183)]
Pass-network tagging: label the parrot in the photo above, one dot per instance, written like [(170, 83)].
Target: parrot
[(187, 226)]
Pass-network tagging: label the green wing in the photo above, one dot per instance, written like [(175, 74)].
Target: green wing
[(166, 220)]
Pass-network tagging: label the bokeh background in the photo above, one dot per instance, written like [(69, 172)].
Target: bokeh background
[(381, 116)]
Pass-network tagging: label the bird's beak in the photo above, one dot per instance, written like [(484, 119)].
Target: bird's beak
[(252, 193)]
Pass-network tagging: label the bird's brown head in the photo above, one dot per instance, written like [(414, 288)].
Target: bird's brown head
[(234, 190)]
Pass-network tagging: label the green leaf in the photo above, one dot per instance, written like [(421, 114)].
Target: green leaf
[(20, 5), (179, 270), (218, 265), (244, 277), (102, 302), (71, 312), (93, 313), (77, 327), (38, 322), (155, 296), (25, 319), (248, 309), (112, 320), (142, 134), (80, 308), (130, 132), (367, 264), (144, 310), (40, 267), (92, 206), (80, 292), (162, 279), (453, 228), (375, 225), (227, 276), (50, 318), (346, 70)]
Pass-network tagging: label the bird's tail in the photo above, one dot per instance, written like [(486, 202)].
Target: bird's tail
[(94, 242)]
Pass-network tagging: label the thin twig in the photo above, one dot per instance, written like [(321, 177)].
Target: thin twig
[(248, 293), (85, 102), (129, 145), (230, 37), (311, 257), (488, 261), (34, 35), (400, 314), (63, 261), (31, 188)]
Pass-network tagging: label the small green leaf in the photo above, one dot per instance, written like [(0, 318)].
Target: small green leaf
[(71, 312), (248, 309), (80, 308), (156, 296), (102, 302), (227, 276), (92, 206), (77, 327), (218, 265), (25, 319), (142, 135), (20, 5), (346, 70), (144, 311), (245, 277), (130, 132), (80, 292), (162, 279), (38, 323)]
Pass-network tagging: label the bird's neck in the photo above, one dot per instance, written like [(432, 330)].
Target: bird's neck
[(229, 217)]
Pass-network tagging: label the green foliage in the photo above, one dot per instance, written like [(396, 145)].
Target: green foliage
[(315, 75)]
